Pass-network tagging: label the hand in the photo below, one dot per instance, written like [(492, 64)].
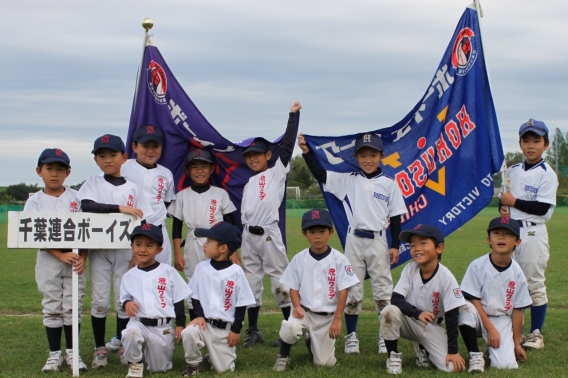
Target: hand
[(235, 259), (302, 144), (426, 317), (335, 329), (504, 211), (507, 199), (393, 254), (79, 265), (233, 338), (132, 211), (520, 354), (298, 312), (297, 106), (178, 332), (493, 337), (133, 262), (179, 262), (131, 308), (459, 363), (198, 322)]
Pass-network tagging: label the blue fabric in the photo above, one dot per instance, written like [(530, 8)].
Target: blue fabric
[(351, 323), (538, 313)]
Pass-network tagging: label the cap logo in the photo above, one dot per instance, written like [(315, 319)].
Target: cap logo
[(58, 152), (197, 152), (149, 129), (315, 214), (418, 227), (146, 226), (104, 139), (367, 138), (530, 122), (504, 220), (252, 144)]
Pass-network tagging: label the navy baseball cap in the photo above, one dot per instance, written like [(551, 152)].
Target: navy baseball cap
[(369, 140), (54, 155), (224, 232), (316, 217), (112, 142), (147, 133), (533, 126), (505, 222), (423, 230), (148, 229), (199, 154), (257, 145)]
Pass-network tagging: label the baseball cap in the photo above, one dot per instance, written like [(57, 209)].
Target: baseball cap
[(54, 155), (423, 230), (223, 231), (534, 126), (369, 140), (144, 134), (316, 217), (505, 222), (199, 154), (149, 230), (257, 145), (112, 142)]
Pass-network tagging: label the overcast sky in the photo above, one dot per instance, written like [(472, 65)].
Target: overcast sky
[(69, 67)]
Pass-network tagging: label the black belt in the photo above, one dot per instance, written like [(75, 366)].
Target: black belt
[(148, 322), (367, 234), (215, 323), (526, 224), (317, 313), (256, 230)]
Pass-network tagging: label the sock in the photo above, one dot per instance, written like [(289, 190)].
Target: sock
[(118, 334), (54, 338), (286, 312), (538, 313), (469, 336), (253, 317), (192, 314), (392, 346), (122, 323), (285, 349), (351, 323), (99, 329), (69, 335)]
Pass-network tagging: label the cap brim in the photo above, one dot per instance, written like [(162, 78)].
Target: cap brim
[(534, 131), (147, 138), (200, 159), (405, 235), (94, 151), (369, 146), (316, 223), (55, 160), (254, 149), (517, 233), (146, 234), (206, 233)]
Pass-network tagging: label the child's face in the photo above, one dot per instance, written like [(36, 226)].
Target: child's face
[(368, 159), (533, 146), (318, 238), (502, 241), (145, 250), (215, 250), (424, 251), (147, 153), (110, 161), (257, 161), (53, 176), (199, 172)]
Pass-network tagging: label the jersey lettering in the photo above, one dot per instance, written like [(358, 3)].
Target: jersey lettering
[(262, 184), (161, 186), (509, 294), (531, 189), (73, 207), (331, 282), (130, 201), (436, 303), (212, 211), (229, 289), (161, 290), (381, 197)]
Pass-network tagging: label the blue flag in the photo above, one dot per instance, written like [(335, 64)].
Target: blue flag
[(444, 153)]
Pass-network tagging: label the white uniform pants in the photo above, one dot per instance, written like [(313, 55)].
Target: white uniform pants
[(165, 257), (504, 356), (221, 355), (107, 266), (532, 255), (323, 347), (54, 281), (159, 343), (265, 254), (193, 254), (394, 325)]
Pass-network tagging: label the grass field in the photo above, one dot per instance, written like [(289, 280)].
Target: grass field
[(24, 347)]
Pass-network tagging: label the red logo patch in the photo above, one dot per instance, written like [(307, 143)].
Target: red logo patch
[(504, 220), (146, 226), (315, 214), (149, 129), (104, 139), (58, 152), (197, 152), (418, 227)]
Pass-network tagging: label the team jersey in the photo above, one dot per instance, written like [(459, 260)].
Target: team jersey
[(539, 183), (220, 291), (499, 292), (157, 184), (201, 210), (155, 291), (263, 194), (368, 203), (67, 202), (319, 282), (439, 295)]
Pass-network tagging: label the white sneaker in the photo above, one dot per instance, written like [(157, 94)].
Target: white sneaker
[(282, 363), (69, 360), (135, 370), (422, 359), (382, 346), (394, 363), (114, 344), (534, 340), (121, 357), (476, 362), (100, 358), (351, 343), (54, 362)]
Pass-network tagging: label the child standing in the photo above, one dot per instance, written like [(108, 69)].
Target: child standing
[(263, 251), (109, 193), (426, 294), (152, 294), (371, 200), (319, 278), (220, 295), (531, 201), (54, 267), (497, 291)]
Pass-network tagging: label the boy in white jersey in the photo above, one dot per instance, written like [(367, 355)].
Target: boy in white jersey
[(531, 200), (109, 193), (497, 291), (426, 295), (54, 267), (372, 203), (319, 278), (153, 295), (263, 251), (220, 295)]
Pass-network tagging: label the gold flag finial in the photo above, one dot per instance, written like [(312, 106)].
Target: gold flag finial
[(147, 24)]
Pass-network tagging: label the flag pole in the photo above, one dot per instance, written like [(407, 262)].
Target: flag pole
[(75, 321), (147, 24)]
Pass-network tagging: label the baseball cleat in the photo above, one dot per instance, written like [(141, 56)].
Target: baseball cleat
[(277, 343), (121, 357), (135, 370), (54, 362), (394, 363), (69, 360), (114, 344), (282, 362), (422, 359), (100, 358), (191, 370), (351, 343), (252, 337), (476, 362), (382, 347), (534, 340)]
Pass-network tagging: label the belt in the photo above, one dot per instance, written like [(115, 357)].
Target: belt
[(216, 323), (148, 322), (256, 230), (527, 224), (366, 234), (317, 313)]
